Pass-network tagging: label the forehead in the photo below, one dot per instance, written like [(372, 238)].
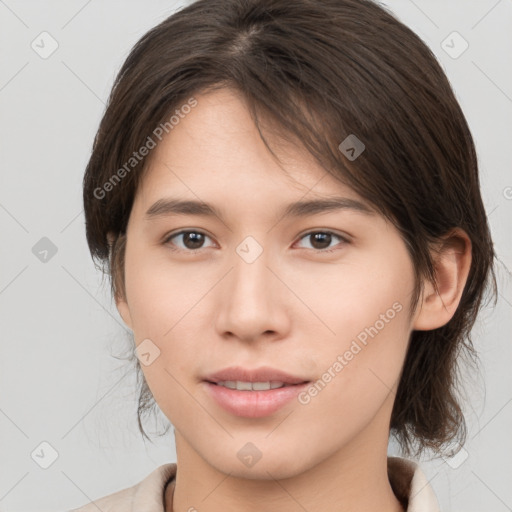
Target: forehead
[(215, 152)]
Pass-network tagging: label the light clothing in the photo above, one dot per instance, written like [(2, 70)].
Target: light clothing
[(407, 480)]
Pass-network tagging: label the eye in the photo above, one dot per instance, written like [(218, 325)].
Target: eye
[(321, 239), (192, 240)]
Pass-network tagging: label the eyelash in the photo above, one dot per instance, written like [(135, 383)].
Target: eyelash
[(325, 232)]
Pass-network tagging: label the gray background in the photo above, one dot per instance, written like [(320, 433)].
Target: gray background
[(59, 380)]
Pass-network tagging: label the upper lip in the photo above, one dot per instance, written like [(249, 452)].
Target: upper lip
[(262, 374)]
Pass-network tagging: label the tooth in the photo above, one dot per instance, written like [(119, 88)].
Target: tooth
[(260, 386), (251, 386)]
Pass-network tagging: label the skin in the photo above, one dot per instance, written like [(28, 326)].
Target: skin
[(295, 308)]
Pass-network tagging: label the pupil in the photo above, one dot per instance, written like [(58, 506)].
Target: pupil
[(324, 238), (196, 239)]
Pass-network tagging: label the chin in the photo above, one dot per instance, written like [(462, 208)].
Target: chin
[(268, 463), (269, 470)]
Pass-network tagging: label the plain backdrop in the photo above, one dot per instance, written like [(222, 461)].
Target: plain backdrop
[(63, 393)]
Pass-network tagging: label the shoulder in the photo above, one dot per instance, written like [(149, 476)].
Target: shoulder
[(147, 494), (411, 486)]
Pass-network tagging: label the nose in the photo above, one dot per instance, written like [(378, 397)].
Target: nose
[(252, 303)]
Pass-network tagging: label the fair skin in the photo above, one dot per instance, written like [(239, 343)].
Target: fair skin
[(294, 307)]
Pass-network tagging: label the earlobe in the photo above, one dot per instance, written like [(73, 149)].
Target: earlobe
[(452, 261)]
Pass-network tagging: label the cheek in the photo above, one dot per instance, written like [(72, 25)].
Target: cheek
[(362, 362), (163, 307), (159, 293), (356, 387), (365, 298)]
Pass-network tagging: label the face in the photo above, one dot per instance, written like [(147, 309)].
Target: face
[(322, 296)]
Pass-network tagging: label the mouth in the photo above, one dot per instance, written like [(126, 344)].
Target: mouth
[(253, 393), (253, 386), (246, 379)]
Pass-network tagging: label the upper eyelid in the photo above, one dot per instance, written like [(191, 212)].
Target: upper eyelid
[(168, 237), (344, 238)]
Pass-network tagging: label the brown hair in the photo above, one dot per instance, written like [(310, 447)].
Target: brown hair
[(319, 70)]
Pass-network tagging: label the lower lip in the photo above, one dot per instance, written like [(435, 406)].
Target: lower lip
[(253, 404)]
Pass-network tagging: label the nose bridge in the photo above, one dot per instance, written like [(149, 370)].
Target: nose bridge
[(250, 301), (250, 279)]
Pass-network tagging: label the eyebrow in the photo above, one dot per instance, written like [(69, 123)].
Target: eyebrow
[(173, 206)]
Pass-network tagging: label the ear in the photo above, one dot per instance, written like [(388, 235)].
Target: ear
[(452, 262), (121, 304), (124, 311)]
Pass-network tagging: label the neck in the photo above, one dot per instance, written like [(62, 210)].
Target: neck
[(352, 479)]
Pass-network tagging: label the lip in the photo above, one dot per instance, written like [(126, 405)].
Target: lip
[(253, 404), (262, 374)]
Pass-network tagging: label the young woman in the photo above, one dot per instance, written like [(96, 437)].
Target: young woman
[(286, 197)]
